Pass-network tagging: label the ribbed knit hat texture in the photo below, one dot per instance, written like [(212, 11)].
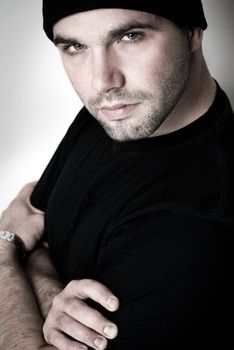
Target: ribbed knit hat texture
[(185, 12)]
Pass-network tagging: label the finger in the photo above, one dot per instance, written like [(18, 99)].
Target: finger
[(61, 341), (27, 189), (80, 332), (87, 288), (90, 317)]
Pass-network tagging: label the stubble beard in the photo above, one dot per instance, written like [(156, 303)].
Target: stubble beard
[(170, 86)]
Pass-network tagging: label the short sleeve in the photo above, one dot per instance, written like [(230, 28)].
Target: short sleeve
[(173, 273), (47, 181)]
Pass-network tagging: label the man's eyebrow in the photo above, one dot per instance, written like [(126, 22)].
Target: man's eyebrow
[(112, 34), (58, 39)]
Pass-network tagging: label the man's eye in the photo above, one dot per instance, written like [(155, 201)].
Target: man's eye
[(73, 49), (132, 37)]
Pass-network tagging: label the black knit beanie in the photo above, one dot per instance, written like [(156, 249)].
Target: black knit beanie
[(185, 12)]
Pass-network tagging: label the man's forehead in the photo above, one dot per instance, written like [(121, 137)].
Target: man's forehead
[(104, 21)]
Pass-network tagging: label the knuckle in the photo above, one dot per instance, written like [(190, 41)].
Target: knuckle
[(57, 301), (74, 307), (71, 285), (48, 325), (86, 338), (85, 283), (61, 321), (94, 320), (50, 328)]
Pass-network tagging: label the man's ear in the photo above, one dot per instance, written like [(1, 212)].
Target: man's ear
[(195, 38)]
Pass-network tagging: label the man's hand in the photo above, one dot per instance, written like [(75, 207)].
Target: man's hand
[(72, 324), (23, 219)]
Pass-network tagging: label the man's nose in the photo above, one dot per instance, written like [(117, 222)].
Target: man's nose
[(106, 72)]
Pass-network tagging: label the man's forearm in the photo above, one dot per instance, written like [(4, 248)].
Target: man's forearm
[(70, 323), (44, 279), (21, 323)]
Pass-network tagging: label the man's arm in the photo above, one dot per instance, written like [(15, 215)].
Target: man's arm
[(173, 273), (67, 309), (21, 324), (44, 279), (21, 320)]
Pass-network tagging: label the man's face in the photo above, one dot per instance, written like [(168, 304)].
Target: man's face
[(129, 68)]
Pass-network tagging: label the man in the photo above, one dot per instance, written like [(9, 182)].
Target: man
[(138, 198)]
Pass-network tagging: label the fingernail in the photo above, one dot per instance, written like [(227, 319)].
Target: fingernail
[(100, 343), (82, 347), (112, 303), (111, 331)]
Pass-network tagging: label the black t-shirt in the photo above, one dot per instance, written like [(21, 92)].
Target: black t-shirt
[(153, 219)]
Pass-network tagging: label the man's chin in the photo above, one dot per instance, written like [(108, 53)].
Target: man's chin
[(129, 128), (125, 135)]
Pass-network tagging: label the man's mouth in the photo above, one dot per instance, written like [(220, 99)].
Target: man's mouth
[(118, 111)]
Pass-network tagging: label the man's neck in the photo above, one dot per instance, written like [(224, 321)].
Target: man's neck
[(196, 100)]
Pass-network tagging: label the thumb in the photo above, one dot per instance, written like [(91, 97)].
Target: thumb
[(25, 194)]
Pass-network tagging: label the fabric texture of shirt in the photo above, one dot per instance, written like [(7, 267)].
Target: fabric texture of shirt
[(153, 219)]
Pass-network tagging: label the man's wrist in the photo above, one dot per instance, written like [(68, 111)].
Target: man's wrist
[(8, 253), (11, 242)]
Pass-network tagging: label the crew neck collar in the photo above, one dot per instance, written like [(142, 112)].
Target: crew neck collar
[(203, 122)]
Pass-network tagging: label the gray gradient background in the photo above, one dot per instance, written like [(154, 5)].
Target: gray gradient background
[(37, 101)]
